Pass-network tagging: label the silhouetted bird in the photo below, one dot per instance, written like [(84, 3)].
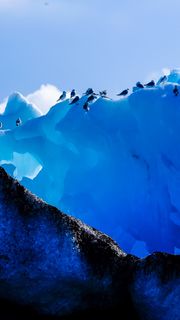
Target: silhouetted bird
[(150, 84), (1, 125), (123, 93), (75, 100), (73, 93), (62, 96), (162, 79), (103, 93), (89, 91), (86, 106), (91, 98), (139, 85), (18, 122), (176, 91)]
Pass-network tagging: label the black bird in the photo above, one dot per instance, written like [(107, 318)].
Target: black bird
[(123, 93), (162, 79), (75, 100), (150, 84), (176, 91), (91, 98), (89, 91), (103, 93), (139, 85), (18, 122), (86, 106), (73, 93), (62, 96)]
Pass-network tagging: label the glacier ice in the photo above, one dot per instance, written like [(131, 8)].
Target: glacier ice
[(17, 107), (116, 167)]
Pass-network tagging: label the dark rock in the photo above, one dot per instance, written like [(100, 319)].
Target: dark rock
[(156, 287), (54, 266)]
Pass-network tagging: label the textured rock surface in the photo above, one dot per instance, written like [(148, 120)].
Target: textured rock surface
[(52, 265), (156, 287), (55, 264)]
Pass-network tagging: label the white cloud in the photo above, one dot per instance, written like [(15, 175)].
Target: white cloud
[(45, 97)]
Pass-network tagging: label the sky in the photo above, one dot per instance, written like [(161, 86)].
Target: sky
[(108, 44)]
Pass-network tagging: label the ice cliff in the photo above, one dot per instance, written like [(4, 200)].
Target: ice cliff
[(116, 167)]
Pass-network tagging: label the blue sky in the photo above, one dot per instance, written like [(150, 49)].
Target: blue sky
[(82, 43)]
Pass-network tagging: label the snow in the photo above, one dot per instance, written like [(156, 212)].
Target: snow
[(116, 167)]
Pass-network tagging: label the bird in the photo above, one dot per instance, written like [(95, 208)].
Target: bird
[(176, 91), (89, 91), (150, 84), (62, 96), (123, 93), (75, 100), (18, 122), (73, 93), (86, 106), (139, 85), (91, 98), (103, 93), (162, 79), (1, 125)]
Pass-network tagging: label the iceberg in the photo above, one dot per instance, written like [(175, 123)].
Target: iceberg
[(116, 167), (18, 107)]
